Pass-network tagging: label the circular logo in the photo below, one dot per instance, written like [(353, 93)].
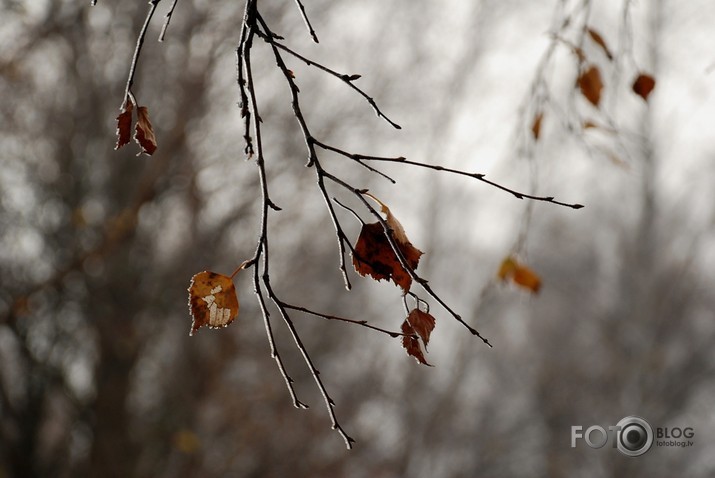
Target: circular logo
[(634, 436)]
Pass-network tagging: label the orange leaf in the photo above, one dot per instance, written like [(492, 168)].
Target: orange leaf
[(536, 125), (506, 269), (591, 84), (511, 269), (595, 36), (124, 125), (527, 278), (418, 325), (373, 254), (144, 134), (212, 300), (643, 85)]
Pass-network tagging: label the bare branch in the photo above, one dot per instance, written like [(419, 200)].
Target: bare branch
[(347, 79), (362, 323), (138, 48), (167, 20), (307, 21)]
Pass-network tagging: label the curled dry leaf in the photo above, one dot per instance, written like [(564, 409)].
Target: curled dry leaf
[(374, 256), (518, 273), (144, 134), (591, 85), (212, 300), (596, 37), (418, 326), (643, 85), (124, 125)]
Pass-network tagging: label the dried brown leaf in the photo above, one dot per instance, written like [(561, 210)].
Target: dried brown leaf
[(124, 125), (412, 344), (374, 255), (422, 323), (411, 253), (212, 300), (643, 85), (596, 37), (591, 85), (144, 134)]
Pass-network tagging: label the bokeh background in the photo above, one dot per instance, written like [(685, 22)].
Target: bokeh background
[(98, 376)]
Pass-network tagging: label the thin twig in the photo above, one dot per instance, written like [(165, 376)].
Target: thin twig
[(137, 50), (350, 210), (261, 253), (262, 279), (342, 238), (294, 90), (168, 20), (347, 79), (329, 402), (307, 21), (480, 177), (242, 53), (363, 323), (272, 341), (356, 157)]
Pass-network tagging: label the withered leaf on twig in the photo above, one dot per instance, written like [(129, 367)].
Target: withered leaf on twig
[(124, 125), (418, 325), (374, 255), (212, 300), (144, 134)]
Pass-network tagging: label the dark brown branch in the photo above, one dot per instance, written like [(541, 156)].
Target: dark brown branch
[(350, 210), (271, 339), (261, 257), (329, 402), (342, 238), (478, 176), (269, 37), (363, 323), (359, 159), (307, 21), (261, 253)]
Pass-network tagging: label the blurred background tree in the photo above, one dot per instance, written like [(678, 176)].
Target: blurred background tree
[(98, 376)]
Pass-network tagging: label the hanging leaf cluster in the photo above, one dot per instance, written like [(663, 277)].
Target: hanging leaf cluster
[(591, 84), (143, 133), (417, 328)]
